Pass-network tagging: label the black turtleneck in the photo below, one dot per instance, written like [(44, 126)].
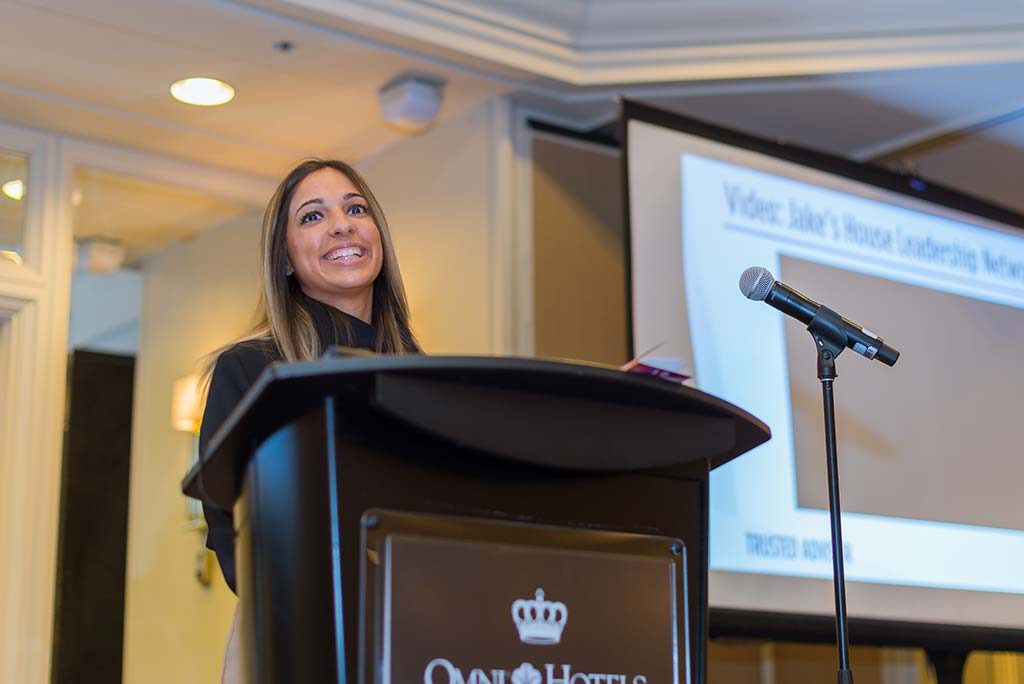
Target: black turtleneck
[(234, 373)]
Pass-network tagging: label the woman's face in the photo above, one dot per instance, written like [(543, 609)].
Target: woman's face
[(333, 243)]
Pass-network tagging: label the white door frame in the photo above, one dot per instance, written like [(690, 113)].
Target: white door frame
[(34, 316), (34, 310)]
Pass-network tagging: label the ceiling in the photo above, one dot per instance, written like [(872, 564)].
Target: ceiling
[(870, 80), (107, 73), (909, 120), (143, 215)]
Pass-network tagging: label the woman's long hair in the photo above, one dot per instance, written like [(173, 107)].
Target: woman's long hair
[(280, 313)]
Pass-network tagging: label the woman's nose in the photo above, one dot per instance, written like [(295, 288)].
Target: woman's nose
[(342, 225)]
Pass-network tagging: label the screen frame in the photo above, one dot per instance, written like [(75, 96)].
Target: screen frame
[(936, 638)]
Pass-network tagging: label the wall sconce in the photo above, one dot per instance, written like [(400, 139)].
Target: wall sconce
[(186, 404), (186, 415)]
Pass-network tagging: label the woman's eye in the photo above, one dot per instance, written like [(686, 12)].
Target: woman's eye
[(309, 216), (357, 209)]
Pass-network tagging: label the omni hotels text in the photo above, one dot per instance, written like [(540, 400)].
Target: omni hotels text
[(442, 671)]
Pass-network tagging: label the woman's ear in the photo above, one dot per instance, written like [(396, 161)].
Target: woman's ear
[(288, 270)]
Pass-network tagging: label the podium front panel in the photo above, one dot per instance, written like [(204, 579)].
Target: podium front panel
[(452, 599)]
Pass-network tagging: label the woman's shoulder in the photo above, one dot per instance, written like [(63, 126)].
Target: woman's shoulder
[(246, 359), (254, 350), (233, 373)]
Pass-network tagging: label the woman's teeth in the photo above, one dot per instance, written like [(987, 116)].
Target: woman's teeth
[(345, 253)]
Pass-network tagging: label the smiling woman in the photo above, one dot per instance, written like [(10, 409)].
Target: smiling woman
[(329, 276)]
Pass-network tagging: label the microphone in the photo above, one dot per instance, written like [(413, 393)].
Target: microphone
[(758, 284)]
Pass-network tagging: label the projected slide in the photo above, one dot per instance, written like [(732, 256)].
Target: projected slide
[(940, 429), (929, 450)]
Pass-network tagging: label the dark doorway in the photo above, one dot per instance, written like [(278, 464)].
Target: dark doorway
[(89, 598)]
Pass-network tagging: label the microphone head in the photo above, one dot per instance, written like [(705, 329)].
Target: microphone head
[(756, 282)]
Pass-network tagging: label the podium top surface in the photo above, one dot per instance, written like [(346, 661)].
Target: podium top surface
[(565, 416)]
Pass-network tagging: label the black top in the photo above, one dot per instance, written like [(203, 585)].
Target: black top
[(234, 373)]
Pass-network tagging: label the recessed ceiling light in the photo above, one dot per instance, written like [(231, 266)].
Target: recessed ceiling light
[(15, 189), (205, 92)]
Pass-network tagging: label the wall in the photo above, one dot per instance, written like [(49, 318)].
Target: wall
[(986, 667), (442, 192), (579, 248), (197, 295), (105, 311)]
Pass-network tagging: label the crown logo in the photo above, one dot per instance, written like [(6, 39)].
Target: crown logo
[(539, 621)]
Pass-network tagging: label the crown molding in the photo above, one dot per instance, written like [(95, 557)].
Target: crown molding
[(624, 42), (800, 57)]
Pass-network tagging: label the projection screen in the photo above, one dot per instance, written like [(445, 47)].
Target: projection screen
[(930, 453)]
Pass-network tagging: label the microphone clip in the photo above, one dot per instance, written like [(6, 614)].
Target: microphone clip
[(829, 332)]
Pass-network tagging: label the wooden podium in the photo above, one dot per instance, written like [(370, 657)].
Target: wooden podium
[(387, 506)]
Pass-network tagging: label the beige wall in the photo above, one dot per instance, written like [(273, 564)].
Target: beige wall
[(986, 668), (579, 265), (196, 296), (746, 662), (441, 192)]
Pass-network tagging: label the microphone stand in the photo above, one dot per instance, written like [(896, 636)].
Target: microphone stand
[(830, 340)]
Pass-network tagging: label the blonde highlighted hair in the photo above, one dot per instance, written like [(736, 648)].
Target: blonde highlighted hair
[(280, 314)]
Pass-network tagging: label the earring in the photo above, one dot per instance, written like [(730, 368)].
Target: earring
[(288, 270)]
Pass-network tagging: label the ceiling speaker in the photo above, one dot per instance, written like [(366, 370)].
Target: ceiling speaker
[(411, 103)]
